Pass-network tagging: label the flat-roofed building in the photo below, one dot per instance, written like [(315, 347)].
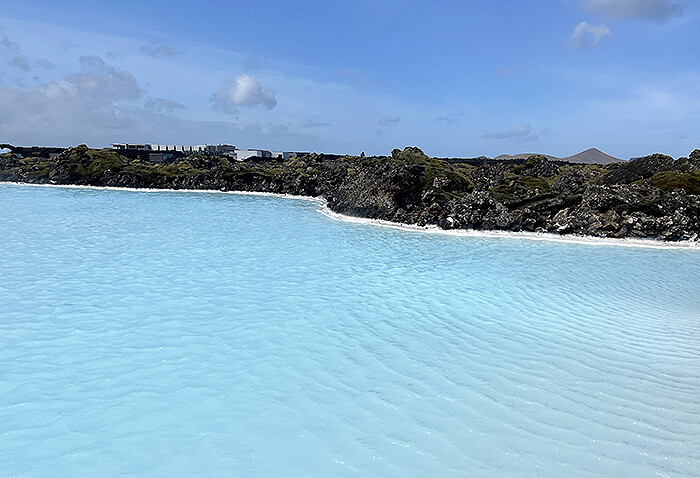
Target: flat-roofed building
[(221, 148), (243, 154), (131, 146), (283, 154), (182, 148)]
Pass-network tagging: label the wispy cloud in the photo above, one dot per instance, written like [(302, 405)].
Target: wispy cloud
[(156, 51), (18, 60), (163, 105), (445, 119), (45, 64), (674, 100), (508, 71), (21, 63), (654, 10), (10, 45), (389, 120), (588, 36), (246, 91), (357, 78), (252, 62), (314, 124), (517, 134)]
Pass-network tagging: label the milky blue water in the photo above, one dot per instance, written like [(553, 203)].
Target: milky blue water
[(196, 334)]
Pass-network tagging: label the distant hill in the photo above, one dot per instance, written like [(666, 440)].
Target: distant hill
[(590, 156), (525, 156)]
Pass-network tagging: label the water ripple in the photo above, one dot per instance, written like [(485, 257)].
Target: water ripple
[(204, 334)]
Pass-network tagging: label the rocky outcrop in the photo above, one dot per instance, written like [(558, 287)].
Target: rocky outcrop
[(652, 197), (647, 167)]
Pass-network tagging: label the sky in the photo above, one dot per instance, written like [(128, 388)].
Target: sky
[(455, 78)]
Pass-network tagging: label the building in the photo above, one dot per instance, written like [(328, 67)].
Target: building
[(131, 147), (283, 154), (160, 157), (181, 148), (221, 149), (242, 155), (178, 148), (165, 152)]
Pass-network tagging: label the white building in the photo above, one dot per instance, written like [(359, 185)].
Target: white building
[(242, 155), (224, 149), (182, 148), (131, 147), (283, 154)]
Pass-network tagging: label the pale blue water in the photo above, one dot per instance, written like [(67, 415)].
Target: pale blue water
[(194, 334)]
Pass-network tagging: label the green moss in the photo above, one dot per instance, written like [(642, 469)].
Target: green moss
[(504, 191), (533, 160), (464, 167), (543, 184), (40, 171), (516, 187), (103, 160), (434, 168), (272, 171), (670, 181), (225, 163)]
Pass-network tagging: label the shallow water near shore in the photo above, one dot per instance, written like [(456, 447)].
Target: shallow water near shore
[(178, 334)]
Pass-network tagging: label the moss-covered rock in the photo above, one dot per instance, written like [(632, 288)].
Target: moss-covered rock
[(653, 197), (671, 181)]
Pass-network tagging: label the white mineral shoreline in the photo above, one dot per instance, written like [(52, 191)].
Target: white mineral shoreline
[(323, 208)]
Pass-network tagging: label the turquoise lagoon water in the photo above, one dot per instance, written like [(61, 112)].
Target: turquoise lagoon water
[(199, 334)]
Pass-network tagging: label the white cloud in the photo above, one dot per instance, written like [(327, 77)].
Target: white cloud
[(654, 10), (588, 36), (99, 106), (102, 82), (517, 134), (83, 101), (244, 90)]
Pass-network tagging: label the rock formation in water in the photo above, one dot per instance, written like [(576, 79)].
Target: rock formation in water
[(652, 197)]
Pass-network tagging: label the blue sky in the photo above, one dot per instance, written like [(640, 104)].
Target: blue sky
[(456, 78)]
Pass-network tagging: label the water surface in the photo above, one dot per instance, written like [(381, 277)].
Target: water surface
[(180, 334)]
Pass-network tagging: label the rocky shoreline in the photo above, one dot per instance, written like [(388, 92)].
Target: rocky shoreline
[(655, 197)]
